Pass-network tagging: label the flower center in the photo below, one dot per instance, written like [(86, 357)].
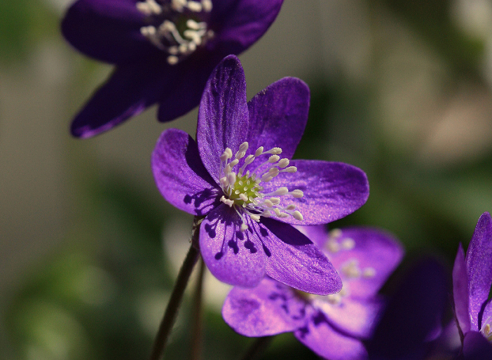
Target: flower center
[(178, 27), (242, 187), (486, 330)]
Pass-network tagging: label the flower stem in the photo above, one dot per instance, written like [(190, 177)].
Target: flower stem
[(196, 337), (259, 345), (177, 295)]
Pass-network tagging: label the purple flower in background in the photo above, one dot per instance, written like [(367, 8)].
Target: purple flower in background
[(234, 177), (472, 278), (333, 326), (410, 328), (164, 51)]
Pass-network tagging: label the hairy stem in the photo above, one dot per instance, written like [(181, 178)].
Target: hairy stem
[(196, 339)]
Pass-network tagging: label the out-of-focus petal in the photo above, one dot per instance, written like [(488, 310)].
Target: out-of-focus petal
[(353, 317), (180, 175), (332, 190), (325, 341), (278, 116), (239, 24), (460, 291), (413, 315), (128, 91), (476, 347), (376, 253), (108, 30), (268, 309), (223, 115), (479, 266), (232, 256), (295, 261)]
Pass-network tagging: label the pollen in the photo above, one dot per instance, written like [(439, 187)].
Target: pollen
[(242, 181)]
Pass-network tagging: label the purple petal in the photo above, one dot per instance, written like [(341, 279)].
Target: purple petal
[(376, 252), (238, 24), (295, 261), (223, 114), (331, 190), (413, 316), (479, 266), (268, 309), (486, 317), (320, 337), (318, 234), (232, 256), (129, 90), (180, 175), (476, 347), (352, 317), (278, 116), (108, 30), (460, 292), (185, 93)]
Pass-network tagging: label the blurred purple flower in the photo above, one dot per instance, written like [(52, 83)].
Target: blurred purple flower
[(472, 279), (233, 175), (164, 51), (333, 326), (410, 328)]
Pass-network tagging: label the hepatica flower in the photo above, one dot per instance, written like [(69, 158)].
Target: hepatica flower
[(164, 51), (333, 326), (240, 177), (472, 278)]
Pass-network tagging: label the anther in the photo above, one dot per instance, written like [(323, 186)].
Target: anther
[(297, 215), (283, 163), (297, 193), (259, 151), (290, 169), (273, 159), (369, 272), (227, 154), (348, 244)]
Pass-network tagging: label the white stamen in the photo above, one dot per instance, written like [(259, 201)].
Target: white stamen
[(283, 163), (297, 193), (226, 201), (273, 159), (194, 6), (259, 151), (207, 5), (348, 244), (244, 227), (172, 60), (290, 169), (369, 272), (297, 215), (332, 246)]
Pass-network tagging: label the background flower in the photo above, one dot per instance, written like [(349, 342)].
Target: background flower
[(160, 56), (333, 326)]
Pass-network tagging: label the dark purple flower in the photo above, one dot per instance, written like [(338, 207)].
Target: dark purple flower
[(164, 51), (472, 279), (333, 326), (233, 175), (410, 328)]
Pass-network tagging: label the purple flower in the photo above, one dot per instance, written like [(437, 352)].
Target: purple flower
[(472, 278), (333, 326), (234, 176), (164, 51), (410, 327)]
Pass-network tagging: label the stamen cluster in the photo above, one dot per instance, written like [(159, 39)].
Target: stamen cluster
[(182, 26), (242, 187)]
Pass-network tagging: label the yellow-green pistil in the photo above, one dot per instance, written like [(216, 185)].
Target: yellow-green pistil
[(242, 189)]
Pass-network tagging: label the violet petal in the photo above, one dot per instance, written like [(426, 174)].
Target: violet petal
[(460, 291), (479, 266), (232, 256), (332, 190), (356, 318), (223, 114), (180, 175), (476, 347), (128, 91), (239, 24), (320, 337), (268, 309), (377, 254), (295, 261), (278, 116)]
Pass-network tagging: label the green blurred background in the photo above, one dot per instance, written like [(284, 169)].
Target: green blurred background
[(89, 249)]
